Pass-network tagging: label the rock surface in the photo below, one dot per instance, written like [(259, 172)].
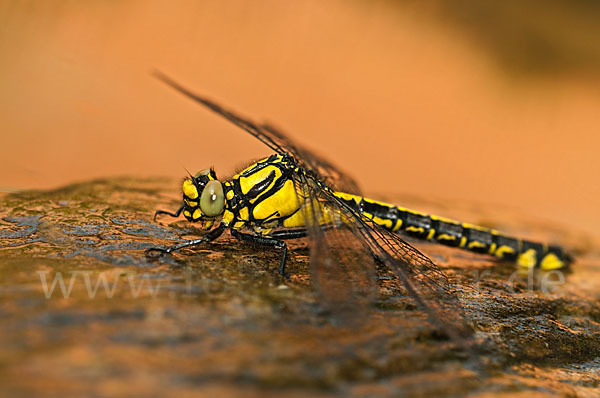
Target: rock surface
[(218, 319)]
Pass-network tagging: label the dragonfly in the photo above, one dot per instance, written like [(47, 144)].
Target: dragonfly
[(295, 193)]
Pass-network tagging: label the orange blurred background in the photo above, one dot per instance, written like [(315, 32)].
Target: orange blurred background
[(479, 101)]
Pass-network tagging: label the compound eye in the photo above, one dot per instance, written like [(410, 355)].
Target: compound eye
[(201, 173), (212, 200)]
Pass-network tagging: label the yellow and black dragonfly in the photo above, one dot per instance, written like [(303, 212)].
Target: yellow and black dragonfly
[(294, 193)]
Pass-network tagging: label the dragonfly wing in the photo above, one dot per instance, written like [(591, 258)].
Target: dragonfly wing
[(309, 160), (243, 123), (274, 139), (422, 279), (342, 273)]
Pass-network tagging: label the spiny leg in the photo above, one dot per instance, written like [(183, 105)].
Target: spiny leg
[(288, 234), (274, 240), (212, 235), (168, 213), (285, 234)]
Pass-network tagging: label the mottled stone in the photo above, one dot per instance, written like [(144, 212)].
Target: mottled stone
[(219, 320)]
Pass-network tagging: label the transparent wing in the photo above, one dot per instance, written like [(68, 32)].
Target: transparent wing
[(420, 277), (342, 273), (323, 169), (277, 141)]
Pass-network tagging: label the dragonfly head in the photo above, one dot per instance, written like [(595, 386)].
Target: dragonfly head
[(203, 196)]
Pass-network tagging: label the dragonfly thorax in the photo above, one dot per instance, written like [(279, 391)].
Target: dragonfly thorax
[(203, 196)]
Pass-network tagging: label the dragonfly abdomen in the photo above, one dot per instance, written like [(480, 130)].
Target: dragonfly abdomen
[(456, 234)]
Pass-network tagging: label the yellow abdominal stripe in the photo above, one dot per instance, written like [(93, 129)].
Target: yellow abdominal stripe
[(502, 250), (527, 259), (476, 245), (446, 237), (386, 223), (415, 229), (551, 261), (348, 196)]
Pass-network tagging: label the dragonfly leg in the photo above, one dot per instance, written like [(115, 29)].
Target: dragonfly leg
[(276, 243), (289, 234), (212, 235), (168, 213)]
